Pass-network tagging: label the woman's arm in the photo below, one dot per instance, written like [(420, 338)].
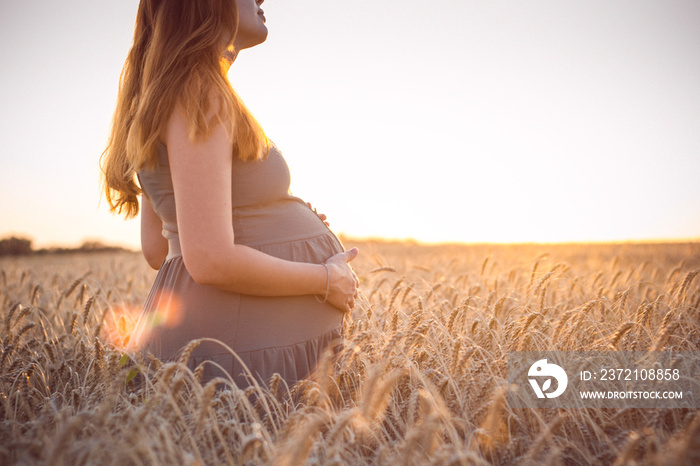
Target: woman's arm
[(201, 174), (153, 245)]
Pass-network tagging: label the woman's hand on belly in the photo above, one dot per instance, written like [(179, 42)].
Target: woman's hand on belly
[(343, 283)]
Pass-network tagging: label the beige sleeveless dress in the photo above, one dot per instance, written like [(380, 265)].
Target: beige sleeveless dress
[(285, 334)]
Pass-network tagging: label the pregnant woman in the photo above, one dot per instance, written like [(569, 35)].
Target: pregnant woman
[(239, 259)]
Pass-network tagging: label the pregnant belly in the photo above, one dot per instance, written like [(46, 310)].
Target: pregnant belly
[(266, 322), (291, 231), (287, 229)]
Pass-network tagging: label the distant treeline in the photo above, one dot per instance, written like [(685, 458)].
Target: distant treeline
[(23, 247)]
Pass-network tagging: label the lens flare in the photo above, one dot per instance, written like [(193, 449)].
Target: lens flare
[(129, 328)]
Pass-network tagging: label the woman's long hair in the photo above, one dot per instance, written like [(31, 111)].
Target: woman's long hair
[(174, 61)]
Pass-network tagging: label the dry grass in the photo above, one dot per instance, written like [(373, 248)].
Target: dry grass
[(422, 379)]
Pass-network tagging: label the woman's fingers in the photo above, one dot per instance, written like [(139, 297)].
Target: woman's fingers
[(321, 216), (350, 254), (346, 256), (344, 282)]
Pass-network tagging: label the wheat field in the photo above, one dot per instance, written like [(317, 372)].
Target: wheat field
[(422, 378)]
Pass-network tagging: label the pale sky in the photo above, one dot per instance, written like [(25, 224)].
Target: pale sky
[(452, 120)]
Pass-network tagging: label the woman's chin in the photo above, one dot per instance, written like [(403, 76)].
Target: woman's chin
[(250, 40)]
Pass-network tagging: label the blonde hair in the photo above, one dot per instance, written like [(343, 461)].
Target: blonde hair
[(176, 60)]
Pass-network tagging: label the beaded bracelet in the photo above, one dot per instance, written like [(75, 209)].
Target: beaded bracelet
[(328, 284)]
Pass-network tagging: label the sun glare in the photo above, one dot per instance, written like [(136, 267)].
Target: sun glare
[(127, 329)]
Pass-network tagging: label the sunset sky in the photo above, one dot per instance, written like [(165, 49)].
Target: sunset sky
[(444, 120)]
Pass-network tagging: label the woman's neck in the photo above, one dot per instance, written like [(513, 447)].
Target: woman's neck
[(230, 56)]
